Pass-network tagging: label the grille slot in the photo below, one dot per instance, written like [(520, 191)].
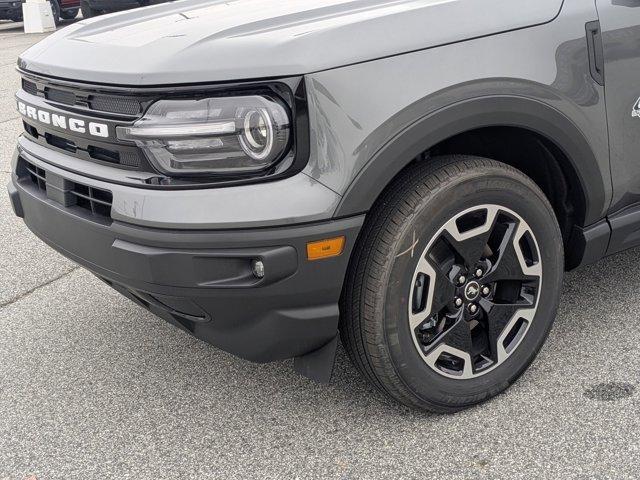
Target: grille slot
[(103, 154), (91, 200), (33, 131), (29, 87), (59, 142), (94, 199), (38, 176), (60, 96)]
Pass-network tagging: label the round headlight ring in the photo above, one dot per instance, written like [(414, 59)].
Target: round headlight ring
[(257, 137)]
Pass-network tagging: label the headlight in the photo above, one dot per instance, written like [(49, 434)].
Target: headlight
[(212, 135)]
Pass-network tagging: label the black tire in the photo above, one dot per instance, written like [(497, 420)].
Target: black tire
[(17, 17), (87, 10), (69, 14), (55, 10), (374, 325)]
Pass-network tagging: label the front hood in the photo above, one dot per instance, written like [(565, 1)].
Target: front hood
[(192, 41)]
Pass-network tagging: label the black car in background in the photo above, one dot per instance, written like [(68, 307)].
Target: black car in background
[(11, 10), (91, 8), (68, 9)]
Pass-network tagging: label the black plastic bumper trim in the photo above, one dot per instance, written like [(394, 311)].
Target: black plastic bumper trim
[(15, 200), (201, 280)]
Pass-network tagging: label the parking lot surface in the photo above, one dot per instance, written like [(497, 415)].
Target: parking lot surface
[(94, 387)]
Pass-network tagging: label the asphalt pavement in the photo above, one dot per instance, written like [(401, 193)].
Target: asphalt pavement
[(94, 387)]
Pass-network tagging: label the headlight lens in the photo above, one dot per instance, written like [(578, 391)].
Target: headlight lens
[(213, 135)]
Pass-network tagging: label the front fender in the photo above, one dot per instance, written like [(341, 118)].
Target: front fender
[(486, 111)]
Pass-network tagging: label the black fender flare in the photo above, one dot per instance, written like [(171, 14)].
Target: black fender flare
[(479, 112)]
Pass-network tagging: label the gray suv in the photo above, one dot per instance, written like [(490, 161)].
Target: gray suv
[(411, 176)]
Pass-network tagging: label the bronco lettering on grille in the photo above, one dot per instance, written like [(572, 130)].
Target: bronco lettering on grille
[(66, 123)]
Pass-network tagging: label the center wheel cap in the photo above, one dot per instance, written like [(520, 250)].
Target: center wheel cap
[(471, 291)]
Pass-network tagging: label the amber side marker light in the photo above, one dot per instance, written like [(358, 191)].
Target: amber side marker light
[(331, 247)]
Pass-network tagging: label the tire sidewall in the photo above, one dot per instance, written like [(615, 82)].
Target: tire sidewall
[(87, 10), (69, 14), (491, 186), (55, 10)]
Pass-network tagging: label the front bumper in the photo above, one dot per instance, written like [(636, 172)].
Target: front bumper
[(201, 280)]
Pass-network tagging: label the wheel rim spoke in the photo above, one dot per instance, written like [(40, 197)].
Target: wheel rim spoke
[(508, 259), (438, 288), (469, 243), (455, 342), (469, 250), (500, 317), (481, 275), (457, 336)]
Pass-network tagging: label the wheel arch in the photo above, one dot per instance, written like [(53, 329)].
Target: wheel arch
[(577, 162)]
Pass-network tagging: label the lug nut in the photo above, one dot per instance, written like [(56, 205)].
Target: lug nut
[(457, 302), (429, 324), (485, 291), (461, 279), (473, 308), (479, 272)]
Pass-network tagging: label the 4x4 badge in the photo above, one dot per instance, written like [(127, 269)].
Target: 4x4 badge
[(635, 112)]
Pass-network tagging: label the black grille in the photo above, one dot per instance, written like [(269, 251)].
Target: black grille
[(130, 159), (86, 98), (106, 106), (126, 158), (95, 201), (122, 105), (29, 87)]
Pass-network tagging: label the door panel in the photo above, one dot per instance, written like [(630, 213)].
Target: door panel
[(620, 24)]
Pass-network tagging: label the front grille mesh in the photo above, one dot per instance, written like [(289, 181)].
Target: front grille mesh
[(125, 105)]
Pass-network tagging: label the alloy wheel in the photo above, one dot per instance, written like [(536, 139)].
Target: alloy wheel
[(475, 291)]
